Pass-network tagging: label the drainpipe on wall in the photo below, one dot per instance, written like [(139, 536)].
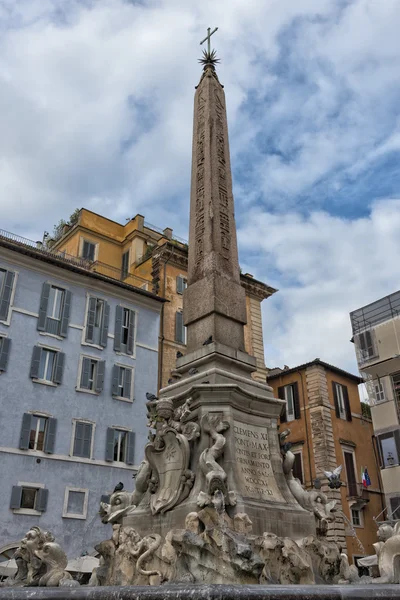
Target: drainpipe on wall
[(160, 361), (305, 419)]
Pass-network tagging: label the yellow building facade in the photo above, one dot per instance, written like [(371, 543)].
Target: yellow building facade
[(153, 259)]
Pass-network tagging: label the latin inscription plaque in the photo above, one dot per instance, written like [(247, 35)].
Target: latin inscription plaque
[(253, 460)]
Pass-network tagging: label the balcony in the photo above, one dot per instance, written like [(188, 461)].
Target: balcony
[(377, 312), (357, 495)]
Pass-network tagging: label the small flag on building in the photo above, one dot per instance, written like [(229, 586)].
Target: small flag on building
[(365, 478)]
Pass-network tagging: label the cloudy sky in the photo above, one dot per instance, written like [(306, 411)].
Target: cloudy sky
[(96, 111)]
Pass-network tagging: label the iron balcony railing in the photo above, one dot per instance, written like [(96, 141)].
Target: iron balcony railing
[(159, 230), (94, 266), (377, 312)]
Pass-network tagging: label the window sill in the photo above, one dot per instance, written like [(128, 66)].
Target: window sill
[(130, 400), (390, 466), (45, 382), (53, 335), (83, 391), (6, 323), (97, 346), (119, 353), (70, 516), (27, 511), (84, 457)]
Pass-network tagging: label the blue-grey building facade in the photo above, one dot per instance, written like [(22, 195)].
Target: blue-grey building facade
[(78, 352)]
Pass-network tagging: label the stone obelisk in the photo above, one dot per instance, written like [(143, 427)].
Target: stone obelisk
[(216, 370)]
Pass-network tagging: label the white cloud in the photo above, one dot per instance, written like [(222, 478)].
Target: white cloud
[(325, 267)]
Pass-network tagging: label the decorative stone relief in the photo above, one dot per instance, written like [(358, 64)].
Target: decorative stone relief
[(215, 475)]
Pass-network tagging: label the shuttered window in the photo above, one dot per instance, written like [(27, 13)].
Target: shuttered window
[(38, 433), (124, 332), (6, 287), (181, 284), (47, 365), (290, 393), (180, 329), (120, 446), (122, 378), (366, 345), (389, 448), (29, 498), (125, 265), (5, 345), (92, 374), (88, 250), (352, 488), (298, 467), (341, 401), (97, 321), (82, 446), (54, 310)]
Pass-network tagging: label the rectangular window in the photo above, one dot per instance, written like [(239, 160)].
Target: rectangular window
[(356, 517), (396, 388), (91, 377), (181, 284), (75, 503), (97, 320), (120, 438), (124, 333), (88, 250), (5, 345), (120, 445), (352, 488), (341, 401), (82, 445), (37, 433), (366, 345), (180, 329), (379, 390), (29, 498), (290, 393), (125, 265), (54, 310), (122, 378), (47, 365), (389, 445), (6, 288)]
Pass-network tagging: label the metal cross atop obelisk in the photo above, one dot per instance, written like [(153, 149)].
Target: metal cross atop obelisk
[(208, 37)]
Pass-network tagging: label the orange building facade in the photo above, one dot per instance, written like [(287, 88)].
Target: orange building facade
[(328, 429), (150, 258)]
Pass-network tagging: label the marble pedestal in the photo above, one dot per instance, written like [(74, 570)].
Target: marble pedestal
[(251, 456)]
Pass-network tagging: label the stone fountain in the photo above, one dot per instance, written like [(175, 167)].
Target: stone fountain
[(215, 498)]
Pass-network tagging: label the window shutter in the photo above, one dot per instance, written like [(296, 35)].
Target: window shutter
[(41, 499), (131, 332), (118, 328), (104, 325), (110, 444), (130, 448), (5, 298), (335, 399), (44, 302), (115, 378), (180, 284), (347, 403), (16, 497), (361, 343), (78, 439), (369, 343), (59, 367), (25, 431), (128, 384), (65, 313), (36, 354), (5, 344), (281, 395), (179, 335), (100, 371), (296, 400), (91, 315), (397, 441), (380, 452), (87, 440), (50, 437), (85, 373)]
